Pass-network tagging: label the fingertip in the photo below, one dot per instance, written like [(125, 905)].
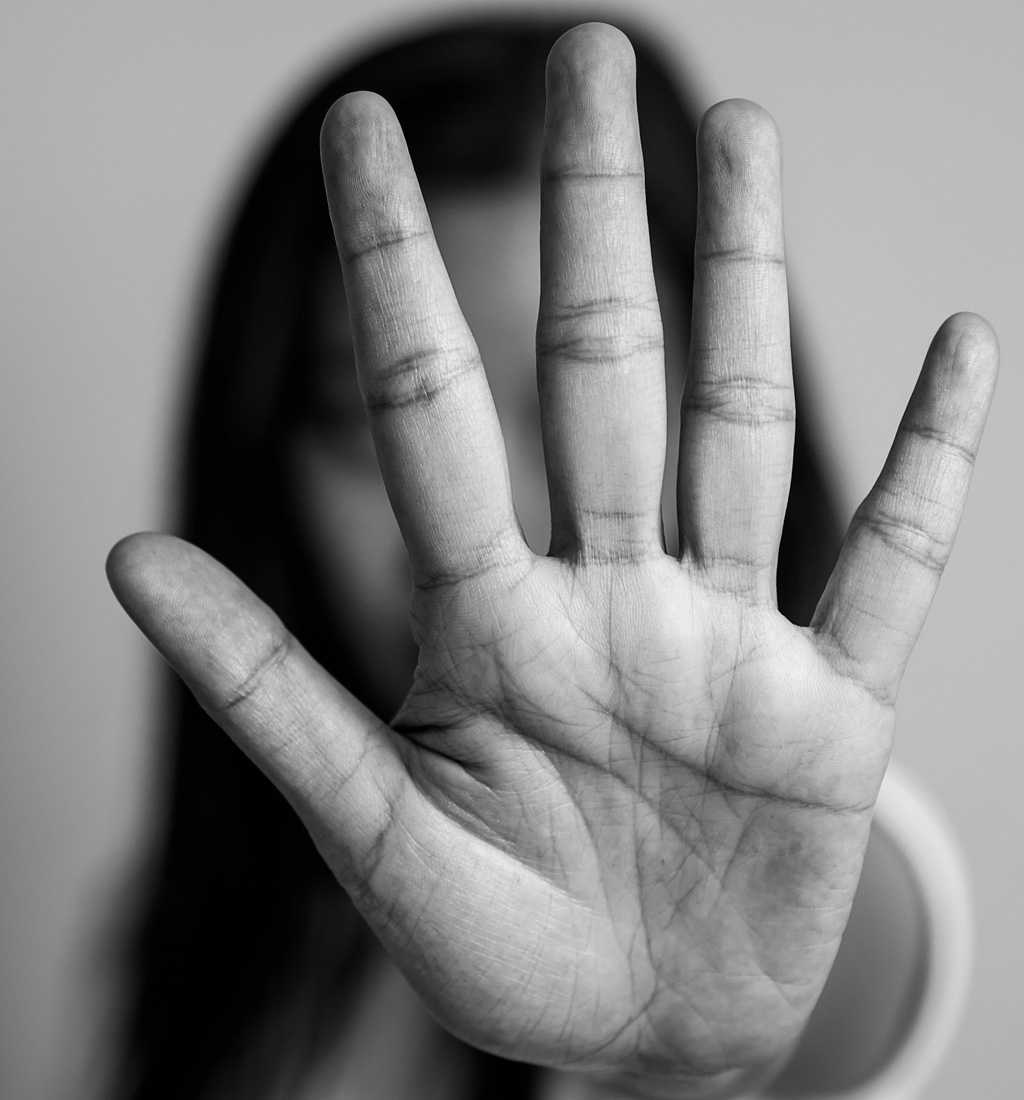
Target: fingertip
[(591, 43), (149, 572), (128, 559), (591, 56), (735, 132), (354, 122), (133, 578), (961, 367), (971, 343), (738, 115), (117, 558), (591, 124)]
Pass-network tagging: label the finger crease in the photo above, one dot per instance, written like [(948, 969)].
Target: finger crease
[(741, 256), (943, 439), (275, 655), (381, 243), (906, 538), (415, 379)]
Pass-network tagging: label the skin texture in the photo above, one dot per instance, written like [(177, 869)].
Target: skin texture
[(618, 821)]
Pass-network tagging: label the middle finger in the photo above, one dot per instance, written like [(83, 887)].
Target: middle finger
[(600, 360)]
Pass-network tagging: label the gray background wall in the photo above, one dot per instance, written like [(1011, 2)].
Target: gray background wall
[(123, 127)]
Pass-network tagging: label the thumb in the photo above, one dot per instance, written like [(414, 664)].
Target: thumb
[(331, 757)]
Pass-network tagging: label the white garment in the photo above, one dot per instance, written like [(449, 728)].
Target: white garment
[(916, 826)]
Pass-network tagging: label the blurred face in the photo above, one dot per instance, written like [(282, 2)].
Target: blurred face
[(489, 239)]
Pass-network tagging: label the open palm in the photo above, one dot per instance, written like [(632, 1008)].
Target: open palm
[(619, 819)]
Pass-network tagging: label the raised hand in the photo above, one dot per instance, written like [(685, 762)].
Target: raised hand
[(618, 822)]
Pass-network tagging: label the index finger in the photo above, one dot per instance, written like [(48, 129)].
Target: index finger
[(433, 419)]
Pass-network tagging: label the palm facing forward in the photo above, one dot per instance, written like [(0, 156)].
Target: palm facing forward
[(619, 819)]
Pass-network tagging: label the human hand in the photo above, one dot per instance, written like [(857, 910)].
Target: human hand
[(618, 821)]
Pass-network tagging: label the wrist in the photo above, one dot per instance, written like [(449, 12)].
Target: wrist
[(737, 1084)]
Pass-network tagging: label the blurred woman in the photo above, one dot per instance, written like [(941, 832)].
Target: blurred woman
[(252, 974)]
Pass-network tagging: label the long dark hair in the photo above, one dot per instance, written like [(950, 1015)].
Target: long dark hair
[(247, 954)]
